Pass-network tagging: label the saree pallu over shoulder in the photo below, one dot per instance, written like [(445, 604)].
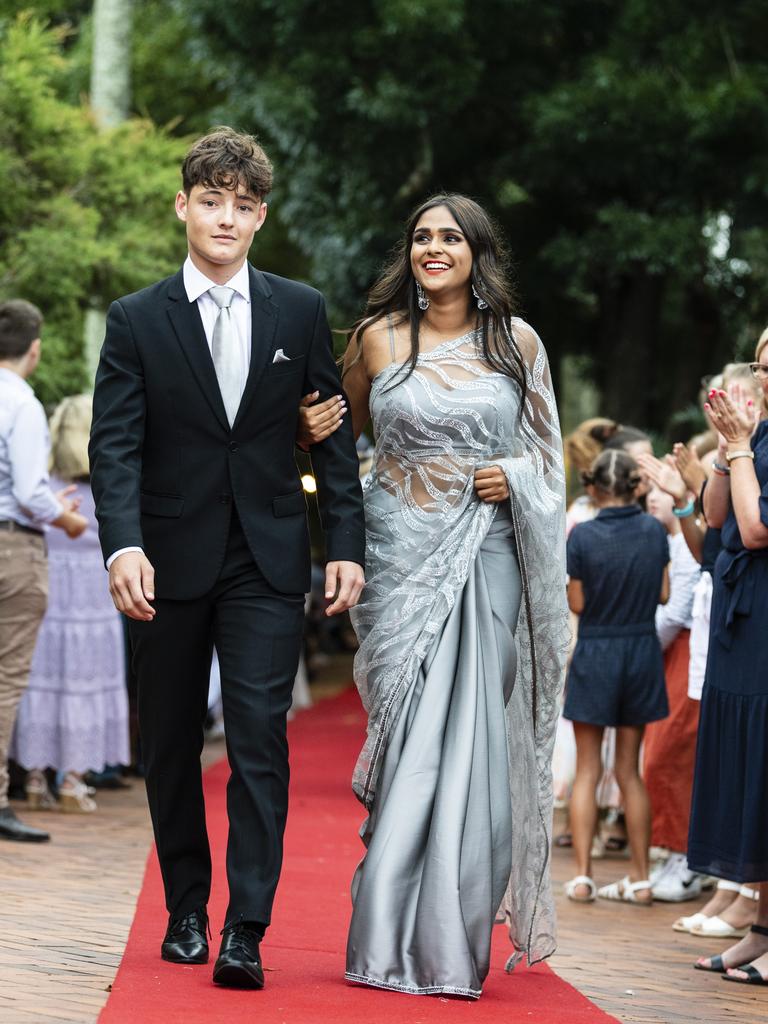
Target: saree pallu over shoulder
[(425, 527)]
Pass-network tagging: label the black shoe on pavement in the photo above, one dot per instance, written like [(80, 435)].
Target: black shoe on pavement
[(239, 962), (12, 828), (186, 940)]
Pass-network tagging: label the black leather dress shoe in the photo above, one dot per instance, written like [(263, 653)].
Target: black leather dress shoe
[(12, 828), (186, 941), (239, 962)]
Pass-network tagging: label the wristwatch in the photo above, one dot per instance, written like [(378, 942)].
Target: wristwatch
[(745, 454)]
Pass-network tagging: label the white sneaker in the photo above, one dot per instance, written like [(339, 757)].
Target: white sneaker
[(669, 864), (658, 872), (676, 884)]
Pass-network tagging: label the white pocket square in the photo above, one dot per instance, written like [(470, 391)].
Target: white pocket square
[(281, 357)]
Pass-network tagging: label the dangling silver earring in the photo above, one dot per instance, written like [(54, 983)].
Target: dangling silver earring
[(423, 300), (481, 303)]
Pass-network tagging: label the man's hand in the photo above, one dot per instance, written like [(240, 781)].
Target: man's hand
[(491, 484), (345, 582), (132, 585)]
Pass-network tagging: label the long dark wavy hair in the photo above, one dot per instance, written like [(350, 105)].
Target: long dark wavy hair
[(395, 290)]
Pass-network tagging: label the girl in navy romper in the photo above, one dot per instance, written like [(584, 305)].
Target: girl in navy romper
[(617, 567)]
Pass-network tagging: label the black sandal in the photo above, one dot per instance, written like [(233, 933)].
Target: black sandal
[(716, 965), (753, 976)]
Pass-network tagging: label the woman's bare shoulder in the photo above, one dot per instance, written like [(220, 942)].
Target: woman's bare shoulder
[(374, 338)]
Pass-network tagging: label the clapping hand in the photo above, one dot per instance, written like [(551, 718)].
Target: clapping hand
[(70, 504), (70, 519), (689, 467), (664, 474), (733, 415)]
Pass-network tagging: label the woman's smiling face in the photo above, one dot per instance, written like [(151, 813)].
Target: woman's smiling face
[(441, 258)]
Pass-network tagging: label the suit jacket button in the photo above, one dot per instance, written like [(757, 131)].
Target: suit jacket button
[(233, 446), (225, 499)]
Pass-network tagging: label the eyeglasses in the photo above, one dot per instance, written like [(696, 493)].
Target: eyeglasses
[(759, 370)]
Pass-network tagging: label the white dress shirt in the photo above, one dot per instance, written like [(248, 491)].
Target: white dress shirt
[(25, 493), (197, 285)]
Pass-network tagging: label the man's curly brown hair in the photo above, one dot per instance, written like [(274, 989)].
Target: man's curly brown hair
[(225, 158)]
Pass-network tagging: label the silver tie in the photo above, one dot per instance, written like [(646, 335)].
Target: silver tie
[(225, 352)]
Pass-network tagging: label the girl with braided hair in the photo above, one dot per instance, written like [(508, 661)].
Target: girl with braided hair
[(617, 567)]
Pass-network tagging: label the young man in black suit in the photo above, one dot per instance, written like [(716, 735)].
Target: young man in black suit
[(202, 521)]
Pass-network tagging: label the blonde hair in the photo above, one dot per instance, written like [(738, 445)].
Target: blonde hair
[(585, 443), (762, 341), (70, 427), (740, 373)]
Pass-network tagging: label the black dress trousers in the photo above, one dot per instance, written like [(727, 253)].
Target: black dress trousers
[(257, 632)]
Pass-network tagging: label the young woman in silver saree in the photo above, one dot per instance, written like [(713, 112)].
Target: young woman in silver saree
[(462, 624)]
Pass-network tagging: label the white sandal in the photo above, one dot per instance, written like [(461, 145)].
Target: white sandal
[(625, 891), (685, 924), (717, 928), (570, 889), (39, 796), (75, 797)]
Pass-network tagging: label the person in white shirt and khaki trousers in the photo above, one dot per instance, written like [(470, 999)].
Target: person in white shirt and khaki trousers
[(27, 504)]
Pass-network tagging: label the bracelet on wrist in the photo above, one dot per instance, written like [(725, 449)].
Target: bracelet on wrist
[(685, 511), (720, 470), (745, 453)]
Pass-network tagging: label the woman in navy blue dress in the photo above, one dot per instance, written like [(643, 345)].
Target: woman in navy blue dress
[(729, 812), (617, 565)]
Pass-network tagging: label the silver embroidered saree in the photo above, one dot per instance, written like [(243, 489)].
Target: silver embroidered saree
[(463, 633)]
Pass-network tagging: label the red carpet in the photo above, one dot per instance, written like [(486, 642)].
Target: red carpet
[(304, 949)]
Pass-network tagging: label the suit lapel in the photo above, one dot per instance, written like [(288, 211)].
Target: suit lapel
[(264, 317), (188, 327)]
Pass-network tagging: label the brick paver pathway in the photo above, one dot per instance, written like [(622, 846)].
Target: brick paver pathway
[(67, 906)]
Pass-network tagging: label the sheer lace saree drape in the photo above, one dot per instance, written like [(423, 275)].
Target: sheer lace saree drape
[(426, 528)]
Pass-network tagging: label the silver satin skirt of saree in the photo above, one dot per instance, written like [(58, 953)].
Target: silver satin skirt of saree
[(439, 835)]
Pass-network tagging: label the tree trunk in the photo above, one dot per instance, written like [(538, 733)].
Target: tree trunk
[(111, 62), (111, 104), (628, 332)]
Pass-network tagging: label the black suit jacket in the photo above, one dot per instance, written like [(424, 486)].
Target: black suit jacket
[(165, 466)]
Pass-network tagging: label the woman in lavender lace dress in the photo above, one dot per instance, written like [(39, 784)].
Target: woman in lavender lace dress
[(74, 714), (462, 624)]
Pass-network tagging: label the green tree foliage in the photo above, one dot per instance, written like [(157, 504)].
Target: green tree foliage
[(84, 216), (622, 145), (172, 82)]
